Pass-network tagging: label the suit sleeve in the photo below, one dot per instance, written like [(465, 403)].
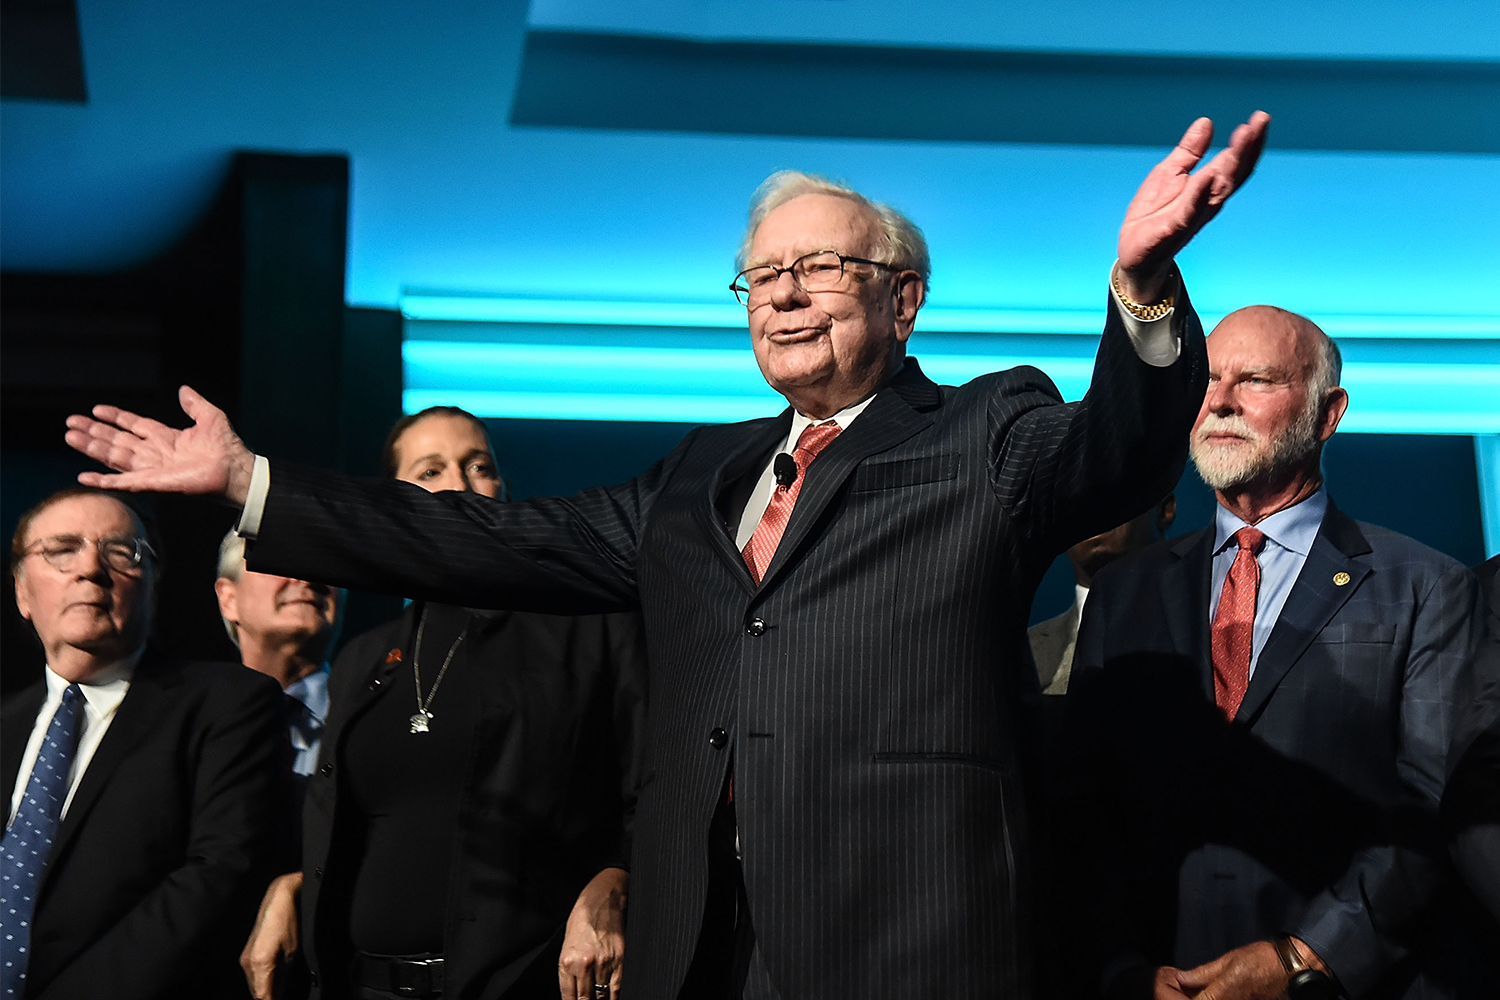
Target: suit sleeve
[(1356, 925), (207, 904), (556, 555), (1073, 470)]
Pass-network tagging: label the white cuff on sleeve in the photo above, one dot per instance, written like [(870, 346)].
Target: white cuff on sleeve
[(1157, 341), (255, 501)]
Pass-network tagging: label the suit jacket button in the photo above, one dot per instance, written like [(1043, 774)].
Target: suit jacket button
[(326, 770), (317, 874), (718, 738), (756, 626), (375, 683)]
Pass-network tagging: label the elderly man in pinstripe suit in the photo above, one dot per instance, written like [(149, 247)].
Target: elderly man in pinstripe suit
[(835, 598)]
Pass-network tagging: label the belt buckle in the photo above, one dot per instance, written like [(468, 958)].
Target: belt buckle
[(413, 977)]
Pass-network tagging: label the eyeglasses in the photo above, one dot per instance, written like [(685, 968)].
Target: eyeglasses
[(819, 271), (120, 554)]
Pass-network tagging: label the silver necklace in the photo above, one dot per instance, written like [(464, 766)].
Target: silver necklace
[(421, 721)]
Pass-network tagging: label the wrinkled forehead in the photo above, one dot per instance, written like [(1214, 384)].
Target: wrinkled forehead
[(1262, 341), (90, 516), (811, 222)]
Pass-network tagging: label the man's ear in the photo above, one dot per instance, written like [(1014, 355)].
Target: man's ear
[(908, 295), (23, 603), (229, 605), (1334, 407)]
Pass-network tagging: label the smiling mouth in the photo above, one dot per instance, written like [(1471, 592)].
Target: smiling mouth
[(795, 336)]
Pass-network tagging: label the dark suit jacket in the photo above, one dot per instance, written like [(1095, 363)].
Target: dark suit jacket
[(873, 692), (1314, 813), (1471, 802), (554, 758), (159, 865)]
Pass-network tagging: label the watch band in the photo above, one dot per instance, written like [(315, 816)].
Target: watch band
[(1291, 958), (1146, 312)]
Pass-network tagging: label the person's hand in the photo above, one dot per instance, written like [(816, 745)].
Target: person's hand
[(1167, 986), (593, 950), (206, 458), (1253, 972), (1173, 203), (273, 940)]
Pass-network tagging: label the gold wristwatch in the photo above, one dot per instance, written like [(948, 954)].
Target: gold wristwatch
[(1143, 311)]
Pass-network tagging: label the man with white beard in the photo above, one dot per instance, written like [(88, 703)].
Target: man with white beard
[(1263, 710)]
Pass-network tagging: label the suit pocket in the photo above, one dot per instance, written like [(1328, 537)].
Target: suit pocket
[(904, 472), (1341, 633)]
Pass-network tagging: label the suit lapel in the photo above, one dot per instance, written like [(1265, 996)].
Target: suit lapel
[(138, 716), (354, 696), (717, 512), (15, 733), (1188, 620), (895, 414), (1312, 603)]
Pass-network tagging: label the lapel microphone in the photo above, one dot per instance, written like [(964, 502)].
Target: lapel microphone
[(785, 468)]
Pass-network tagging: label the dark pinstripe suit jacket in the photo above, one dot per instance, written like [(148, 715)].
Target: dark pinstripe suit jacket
[(1314, 813), (873, 687)]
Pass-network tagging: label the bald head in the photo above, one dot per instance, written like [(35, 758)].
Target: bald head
[(1272, 401)]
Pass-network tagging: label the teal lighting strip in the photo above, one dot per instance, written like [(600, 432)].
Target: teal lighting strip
[(1487, 464), (673, 372), (728, 315)]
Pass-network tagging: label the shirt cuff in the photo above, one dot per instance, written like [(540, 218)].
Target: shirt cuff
[(1156, 341), (255, 500)]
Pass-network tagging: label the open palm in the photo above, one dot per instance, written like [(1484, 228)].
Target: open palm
[(1173, 203), (207, 457)]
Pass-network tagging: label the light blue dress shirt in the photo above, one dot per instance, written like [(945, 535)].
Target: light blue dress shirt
[(306, 728), (1289, 537)]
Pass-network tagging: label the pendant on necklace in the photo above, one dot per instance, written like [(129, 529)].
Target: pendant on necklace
[(419, 721)]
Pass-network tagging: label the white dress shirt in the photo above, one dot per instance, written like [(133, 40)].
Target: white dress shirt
[(1157, 342), (102, 695)]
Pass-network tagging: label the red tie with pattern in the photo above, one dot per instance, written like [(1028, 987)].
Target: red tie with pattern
[(762, 545), (1233, 634)]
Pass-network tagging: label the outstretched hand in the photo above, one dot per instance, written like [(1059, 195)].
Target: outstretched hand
[(1173, 203), (206, 458)]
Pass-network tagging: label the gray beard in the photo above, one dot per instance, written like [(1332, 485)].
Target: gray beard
[(1290, 449)]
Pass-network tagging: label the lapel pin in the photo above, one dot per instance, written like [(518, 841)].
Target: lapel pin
[(394, 656), (1340, 579)]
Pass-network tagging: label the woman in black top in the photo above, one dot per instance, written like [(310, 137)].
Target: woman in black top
[(473, 787)]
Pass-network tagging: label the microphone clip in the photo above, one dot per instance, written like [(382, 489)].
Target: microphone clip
[(785, 470)]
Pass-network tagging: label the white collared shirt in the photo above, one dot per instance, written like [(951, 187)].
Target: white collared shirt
[(102, 695)]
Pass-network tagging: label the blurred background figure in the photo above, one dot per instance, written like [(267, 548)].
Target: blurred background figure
[(141, 789), (283, 628), (1052, 641), (465, 831)]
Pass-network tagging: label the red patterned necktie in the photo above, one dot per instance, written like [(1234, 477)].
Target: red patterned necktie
[(1233, 634), (762, 545)]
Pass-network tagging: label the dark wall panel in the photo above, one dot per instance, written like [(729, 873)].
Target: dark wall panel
[(601, 81)]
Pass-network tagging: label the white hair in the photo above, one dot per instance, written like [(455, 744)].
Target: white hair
[(231, 567), (903, 240)]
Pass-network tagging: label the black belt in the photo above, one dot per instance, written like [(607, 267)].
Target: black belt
[(403, 975)]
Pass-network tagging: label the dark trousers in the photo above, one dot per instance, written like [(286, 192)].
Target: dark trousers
[(726, 963)]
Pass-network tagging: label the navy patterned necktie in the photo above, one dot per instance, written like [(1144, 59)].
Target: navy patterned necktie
[(28, 842)]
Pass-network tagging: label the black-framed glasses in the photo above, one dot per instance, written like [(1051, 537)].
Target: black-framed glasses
[(120, 554), (819, 271)]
